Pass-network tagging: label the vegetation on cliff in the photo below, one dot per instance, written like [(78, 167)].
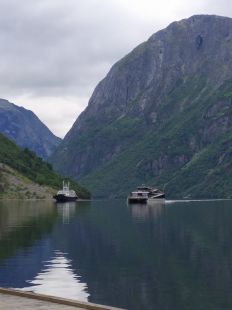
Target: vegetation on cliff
[(188, 159), (22, 166)]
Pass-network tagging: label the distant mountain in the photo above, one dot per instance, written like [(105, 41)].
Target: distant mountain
[(25, 128), (24, 175), (162, 116)]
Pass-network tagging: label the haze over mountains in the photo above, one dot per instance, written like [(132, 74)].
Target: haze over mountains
[(161, 116), (25, 128)]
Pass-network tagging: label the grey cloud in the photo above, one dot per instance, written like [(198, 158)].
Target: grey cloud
[(59, 46), (63, 48)]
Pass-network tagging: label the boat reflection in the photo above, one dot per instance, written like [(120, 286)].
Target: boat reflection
[(142, 212), (66, 210), (55, 276)]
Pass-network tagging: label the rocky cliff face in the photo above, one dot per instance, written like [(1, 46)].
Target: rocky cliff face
[(24, 127), (161, 113)]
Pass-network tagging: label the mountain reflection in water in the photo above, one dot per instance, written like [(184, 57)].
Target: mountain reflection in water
[(174, 256)]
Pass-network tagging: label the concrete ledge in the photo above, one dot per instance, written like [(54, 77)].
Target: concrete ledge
[(57, 300)]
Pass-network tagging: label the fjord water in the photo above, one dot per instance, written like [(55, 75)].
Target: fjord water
[(172, 256)]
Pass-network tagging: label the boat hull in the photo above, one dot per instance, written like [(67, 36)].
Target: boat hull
[(64, 198), (137, 200)]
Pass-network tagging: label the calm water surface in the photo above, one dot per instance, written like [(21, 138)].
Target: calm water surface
[(172, 256)]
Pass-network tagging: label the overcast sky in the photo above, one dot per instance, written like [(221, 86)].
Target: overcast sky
[(54, 52)]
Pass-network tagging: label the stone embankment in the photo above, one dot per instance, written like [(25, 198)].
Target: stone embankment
[(13, 299)]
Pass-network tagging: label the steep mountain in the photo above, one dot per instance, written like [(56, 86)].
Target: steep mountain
[(161, 116), (24, 127), (24, 175)]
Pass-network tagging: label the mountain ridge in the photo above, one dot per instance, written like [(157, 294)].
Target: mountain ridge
[(26, 129), (155, 111)]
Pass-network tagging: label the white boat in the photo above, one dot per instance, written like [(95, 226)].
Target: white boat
[(65, 194), (145, 194), (155, 200), (137, 197)]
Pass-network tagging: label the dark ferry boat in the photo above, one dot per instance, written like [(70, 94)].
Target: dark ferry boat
[(65, 194)]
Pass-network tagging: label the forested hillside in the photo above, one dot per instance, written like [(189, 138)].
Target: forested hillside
[(23, 166)]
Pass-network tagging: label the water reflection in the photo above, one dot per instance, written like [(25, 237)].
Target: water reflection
[(57, 278), (17, 213), (22, 224), (66, 210), (28, 242), (142, 212), (176, 256)]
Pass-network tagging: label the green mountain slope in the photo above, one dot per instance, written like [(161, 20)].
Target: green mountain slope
[(161, 116), (178, 157), (24, 175)]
